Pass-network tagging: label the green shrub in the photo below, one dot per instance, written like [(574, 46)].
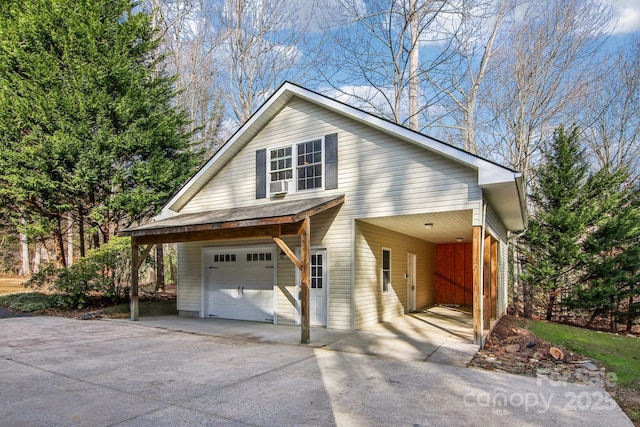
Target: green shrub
[(29, 302), (105, 270)]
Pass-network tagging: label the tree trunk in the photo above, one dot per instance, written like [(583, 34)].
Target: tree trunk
[(612, 317), (550, 305), (69, 240), (592, 318), (24, 249), (527, 297), (630, 314), (172, 268), (81, 232), (37, 257), (414, 61), (159, 268), (59, 238), (516, 271)]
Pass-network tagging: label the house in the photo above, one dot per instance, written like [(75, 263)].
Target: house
[(318, 213)]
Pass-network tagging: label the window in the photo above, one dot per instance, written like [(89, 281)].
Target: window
[(309, 164), (259, 256), (297, 167), (280, 164), (386, 271), (316, 271), (224, 258)]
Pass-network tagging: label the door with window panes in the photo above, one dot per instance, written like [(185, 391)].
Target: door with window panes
[(318, 287)]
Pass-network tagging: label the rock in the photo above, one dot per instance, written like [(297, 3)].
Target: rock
[(590, 366), (556, 353), (531, 344), (513, 348), (87, 316)]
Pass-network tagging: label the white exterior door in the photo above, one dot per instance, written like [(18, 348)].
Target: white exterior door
[(238, 282), (318, 287), (411, 282), (318, 284)]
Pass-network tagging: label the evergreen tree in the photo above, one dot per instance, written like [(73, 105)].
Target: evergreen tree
[(551, 244), (610, 283), (87, 120)]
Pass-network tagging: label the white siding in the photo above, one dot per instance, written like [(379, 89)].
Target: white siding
[(373, 306), (379, 175)]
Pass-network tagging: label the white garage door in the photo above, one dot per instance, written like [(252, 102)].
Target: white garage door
[(238, 282)]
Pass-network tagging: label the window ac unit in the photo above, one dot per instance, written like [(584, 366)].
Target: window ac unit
[(279, 187)]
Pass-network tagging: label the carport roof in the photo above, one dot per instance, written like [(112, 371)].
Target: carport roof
[(269, 214)]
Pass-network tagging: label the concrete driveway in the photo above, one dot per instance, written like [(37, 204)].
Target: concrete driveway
[(58, 371)]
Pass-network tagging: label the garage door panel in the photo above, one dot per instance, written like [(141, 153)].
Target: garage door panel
[(238, 283)]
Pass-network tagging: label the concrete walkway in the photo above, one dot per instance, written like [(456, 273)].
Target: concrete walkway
[(58, 371), (439, 335)]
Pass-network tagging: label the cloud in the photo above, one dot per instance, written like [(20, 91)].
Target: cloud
[(626, 16)]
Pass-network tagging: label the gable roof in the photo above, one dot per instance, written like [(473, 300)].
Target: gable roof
[(502, 186)]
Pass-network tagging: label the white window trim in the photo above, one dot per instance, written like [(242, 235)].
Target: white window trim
[(269, 170), (293, 183), (388, 291)]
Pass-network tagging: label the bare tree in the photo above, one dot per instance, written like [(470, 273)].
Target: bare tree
[(475, 43), (545, 71), (230, 55), (190, 44), (373, 46), (265, 42), (611, 124)]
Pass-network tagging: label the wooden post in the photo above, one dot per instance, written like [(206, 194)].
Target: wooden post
[(494, 278), (133, 304), (305, 273), (477, 285), (486, 283), (159, 268), (137, 259)]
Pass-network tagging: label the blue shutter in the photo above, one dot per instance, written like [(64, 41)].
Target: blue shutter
[(261, 174), (331, 161)]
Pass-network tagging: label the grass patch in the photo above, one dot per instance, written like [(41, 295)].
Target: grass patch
[(29, 302), (620, 354)]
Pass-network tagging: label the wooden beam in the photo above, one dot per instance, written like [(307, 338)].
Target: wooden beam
[(144, 256), (294, 259), (229, 225), (305, 273), (477, 285), (226, 234), (159, 285), (294, 228), (133, 293)]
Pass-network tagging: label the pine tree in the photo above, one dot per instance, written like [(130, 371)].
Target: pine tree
[(612, 256), (551, 244), (87, 119)]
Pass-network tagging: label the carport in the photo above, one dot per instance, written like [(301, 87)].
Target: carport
[(260, 221)]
